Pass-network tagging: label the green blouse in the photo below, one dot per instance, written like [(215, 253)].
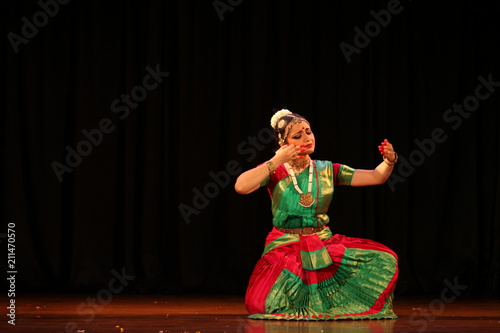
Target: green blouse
[(287, 213)]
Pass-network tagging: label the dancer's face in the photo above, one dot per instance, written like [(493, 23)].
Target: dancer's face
[(302, 135)]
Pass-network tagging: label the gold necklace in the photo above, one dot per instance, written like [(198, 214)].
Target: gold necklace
[(299, 166)]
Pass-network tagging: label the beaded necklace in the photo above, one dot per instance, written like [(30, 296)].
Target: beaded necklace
[(306, 200)]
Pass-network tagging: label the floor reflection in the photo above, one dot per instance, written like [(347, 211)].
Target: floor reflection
[(348, 326)]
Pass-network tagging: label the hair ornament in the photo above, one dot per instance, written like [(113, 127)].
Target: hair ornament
[(277, 116)]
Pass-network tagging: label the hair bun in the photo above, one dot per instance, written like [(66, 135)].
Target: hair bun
[(278, 115)]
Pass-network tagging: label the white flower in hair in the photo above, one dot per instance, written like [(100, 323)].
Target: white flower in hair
[(277, 116)]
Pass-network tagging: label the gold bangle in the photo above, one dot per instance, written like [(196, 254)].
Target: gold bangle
[(270, 167), (393, 162)]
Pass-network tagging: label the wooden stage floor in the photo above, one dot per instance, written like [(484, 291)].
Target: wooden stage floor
[(221, 313)]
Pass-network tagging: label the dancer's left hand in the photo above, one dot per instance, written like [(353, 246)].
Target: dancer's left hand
[(387, 150)]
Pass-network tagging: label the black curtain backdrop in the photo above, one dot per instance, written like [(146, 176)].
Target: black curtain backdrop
[(165, 102)]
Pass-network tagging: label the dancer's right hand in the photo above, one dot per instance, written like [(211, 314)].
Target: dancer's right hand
[(288, 152)]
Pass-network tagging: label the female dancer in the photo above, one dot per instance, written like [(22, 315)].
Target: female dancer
[(306, 272)]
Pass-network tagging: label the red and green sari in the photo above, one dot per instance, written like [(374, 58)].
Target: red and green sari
[(320, 276)]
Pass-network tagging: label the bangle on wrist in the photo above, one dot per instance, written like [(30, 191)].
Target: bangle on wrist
[(386, 160), (270, 167)]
